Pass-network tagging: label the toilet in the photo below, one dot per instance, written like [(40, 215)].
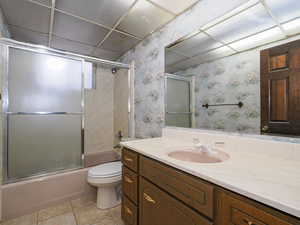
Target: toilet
[(107, 178)]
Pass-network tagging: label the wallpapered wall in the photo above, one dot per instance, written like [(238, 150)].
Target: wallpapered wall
[(228, 80), (149, 61)]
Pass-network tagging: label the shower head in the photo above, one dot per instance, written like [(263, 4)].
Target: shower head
[(114, 70)]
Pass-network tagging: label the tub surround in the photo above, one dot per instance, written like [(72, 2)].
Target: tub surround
[(264, 170)]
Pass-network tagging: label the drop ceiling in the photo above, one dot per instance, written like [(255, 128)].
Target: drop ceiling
[(253, 24), (99, 28)]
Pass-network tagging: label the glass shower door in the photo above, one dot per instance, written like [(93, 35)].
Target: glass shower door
[(178, 111), (44, 115)]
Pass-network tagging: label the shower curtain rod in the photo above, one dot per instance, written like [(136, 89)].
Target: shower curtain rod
[(12, 42)]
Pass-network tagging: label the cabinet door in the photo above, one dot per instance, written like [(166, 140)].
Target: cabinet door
[(159, 208), (236, 210)]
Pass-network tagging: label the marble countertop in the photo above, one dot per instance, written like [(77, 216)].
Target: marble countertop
[(273, 181)]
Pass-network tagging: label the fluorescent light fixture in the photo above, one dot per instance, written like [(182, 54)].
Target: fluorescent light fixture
[(259, 39), (230, 14), (292, 27)]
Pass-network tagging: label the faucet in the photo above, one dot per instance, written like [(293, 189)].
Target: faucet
[(203, 148)]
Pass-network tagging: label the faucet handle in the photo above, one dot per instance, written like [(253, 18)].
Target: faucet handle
[(196, 141)]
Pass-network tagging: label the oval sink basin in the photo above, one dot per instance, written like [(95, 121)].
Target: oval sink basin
[(199, 157)]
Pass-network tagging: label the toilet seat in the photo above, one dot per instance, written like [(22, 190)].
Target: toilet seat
[(106, 170)]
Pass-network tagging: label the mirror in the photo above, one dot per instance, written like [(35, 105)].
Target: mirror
[(220, 77)]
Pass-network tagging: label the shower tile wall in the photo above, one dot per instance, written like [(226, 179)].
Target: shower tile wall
[(149, 61), (99, 103)]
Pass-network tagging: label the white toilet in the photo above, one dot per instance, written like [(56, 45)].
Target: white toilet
[(107, 178)]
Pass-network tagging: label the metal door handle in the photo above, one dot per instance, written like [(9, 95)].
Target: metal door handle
[(148, 198), (128, 210), (128, 180), (128, 159)]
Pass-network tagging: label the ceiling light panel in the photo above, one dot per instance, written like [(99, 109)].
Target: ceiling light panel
[(262, 38), (119, 42), (175, 6), (196, 44), (24, 35), (284, 10), (26, 14), (251, 21), (105, 54), (71, 46), (173, 57), (72, 28), (292, 27), (105, 12), (144, 18)]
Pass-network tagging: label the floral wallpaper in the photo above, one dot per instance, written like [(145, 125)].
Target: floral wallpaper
[(228, 80), (149, 60)]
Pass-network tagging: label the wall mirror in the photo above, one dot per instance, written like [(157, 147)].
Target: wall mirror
[(238, 73)]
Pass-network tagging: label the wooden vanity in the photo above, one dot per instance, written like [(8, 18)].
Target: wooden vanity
[(157, 194)]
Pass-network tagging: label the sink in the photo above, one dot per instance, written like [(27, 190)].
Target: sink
[(191, 155)]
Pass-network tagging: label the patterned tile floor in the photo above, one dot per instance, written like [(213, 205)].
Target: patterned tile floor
[(82, 211)]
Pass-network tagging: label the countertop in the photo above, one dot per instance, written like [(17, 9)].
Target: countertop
[(273, 181)]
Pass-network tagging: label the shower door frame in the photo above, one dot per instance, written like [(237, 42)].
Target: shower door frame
[(5, 44), (6, 113), (191, 81)]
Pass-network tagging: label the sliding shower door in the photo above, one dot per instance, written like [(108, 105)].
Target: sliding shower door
[(43, 113), (178, 101)]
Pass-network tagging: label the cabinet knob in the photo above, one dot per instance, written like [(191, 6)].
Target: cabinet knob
[(128, 180), (128, 159), (148, 198)]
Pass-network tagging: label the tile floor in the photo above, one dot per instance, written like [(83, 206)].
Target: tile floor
[(82, 211)]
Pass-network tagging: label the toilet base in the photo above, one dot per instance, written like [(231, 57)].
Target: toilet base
[(108, 197)]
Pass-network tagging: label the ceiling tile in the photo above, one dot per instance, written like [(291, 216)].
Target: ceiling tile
[(44, 2), (214, 54), (196, 44), (172, 57), (71, 46), (26, 14), (24, 35), (105, 54), (284, 10), (77, 30), (144, 18), (119, 42), (249, 22), (175, 6), (106, 12)]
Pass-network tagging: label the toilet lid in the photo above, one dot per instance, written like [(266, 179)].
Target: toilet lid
[(106, 170)]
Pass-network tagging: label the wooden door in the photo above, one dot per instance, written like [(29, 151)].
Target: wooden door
[(159, 208), (280, 89)]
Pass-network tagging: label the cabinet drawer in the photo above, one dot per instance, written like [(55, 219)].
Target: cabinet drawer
[(130, 159), (129, 212), (234, 209), (159, 208), (130, 184), (193, 191)]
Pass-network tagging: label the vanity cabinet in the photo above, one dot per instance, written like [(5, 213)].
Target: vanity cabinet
[(159, 208), (158, 194)]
